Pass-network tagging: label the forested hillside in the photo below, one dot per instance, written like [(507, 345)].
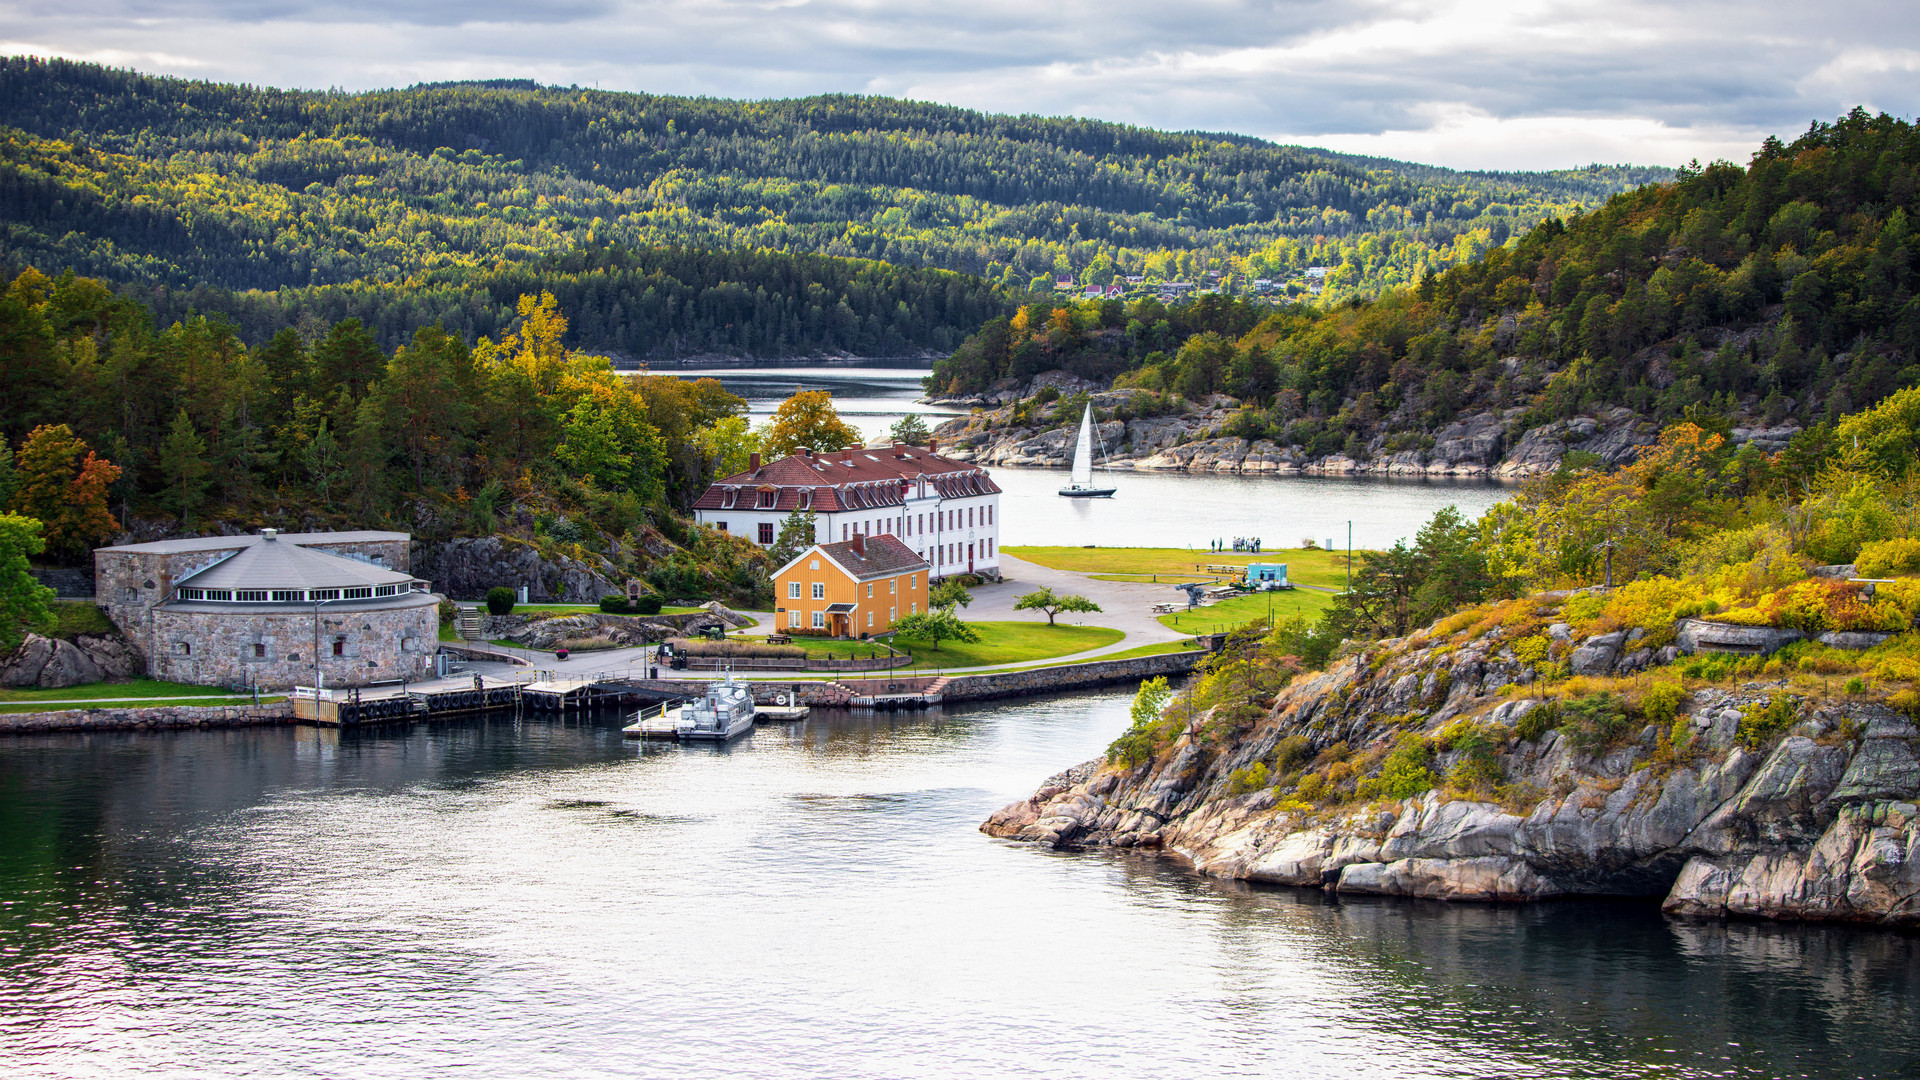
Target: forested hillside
[(188, 184), (1781, 291), (124, 428)]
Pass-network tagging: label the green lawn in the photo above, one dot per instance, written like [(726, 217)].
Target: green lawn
[(1173, 565), (1009, 643), (72, 617), (1228, 614), (126, 693)]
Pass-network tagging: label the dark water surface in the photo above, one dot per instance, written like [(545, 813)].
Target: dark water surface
[(528, 898)]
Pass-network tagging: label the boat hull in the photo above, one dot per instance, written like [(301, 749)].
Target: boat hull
[(1087, 493)]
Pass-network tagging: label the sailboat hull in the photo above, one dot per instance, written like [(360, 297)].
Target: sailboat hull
[(1088, 493)]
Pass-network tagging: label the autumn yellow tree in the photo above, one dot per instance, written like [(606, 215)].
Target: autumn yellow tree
[(807, 420), (63, 484)]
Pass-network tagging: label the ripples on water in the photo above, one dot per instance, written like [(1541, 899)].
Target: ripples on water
[(508, 899)]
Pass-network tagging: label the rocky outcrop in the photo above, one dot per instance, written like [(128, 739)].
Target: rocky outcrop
[(89, 658), (1815, 822), (465, 568), (621, 630), (1479, 445)]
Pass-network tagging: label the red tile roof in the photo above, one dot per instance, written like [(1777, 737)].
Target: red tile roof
[(851, 479), (873, 557)]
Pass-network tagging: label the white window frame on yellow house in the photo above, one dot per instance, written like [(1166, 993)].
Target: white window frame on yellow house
[(819, 590), (793, 590)]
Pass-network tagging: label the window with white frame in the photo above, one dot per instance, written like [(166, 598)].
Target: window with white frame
[(793, 617), (819, 620), (793, 590), (819, 590)]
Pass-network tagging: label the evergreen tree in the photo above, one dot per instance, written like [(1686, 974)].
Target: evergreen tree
[(183, 458)]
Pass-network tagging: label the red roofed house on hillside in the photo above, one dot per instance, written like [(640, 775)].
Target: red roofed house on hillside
[(944, 511)]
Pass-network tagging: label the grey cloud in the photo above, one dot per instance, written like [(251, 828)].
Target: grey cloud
[(1309, 71)]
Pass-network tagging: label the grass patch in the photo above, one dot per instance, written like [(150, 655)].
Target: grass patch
[(75, 617), (1009, 643), (1241, 610), (1183, 564), (124, 691)]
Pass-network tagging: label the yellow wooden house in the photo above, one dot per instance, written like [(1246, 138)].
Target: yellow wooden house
[(856, 588)]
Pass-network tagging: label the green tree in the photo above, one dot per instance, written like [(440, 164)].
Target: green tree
[(807, 421), (8, 479), (910, 429), (590, 447), (726, 445), (797, 534), (950, 593), (1045, 599), (183, 458), (23, 600), (935, 626), (348, 358)]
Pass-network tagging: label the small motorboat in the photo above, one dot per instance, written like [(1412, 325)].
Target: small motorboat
[(724, 712)]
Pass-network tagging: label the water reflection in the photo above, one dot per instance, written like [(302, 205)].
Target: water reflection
[(514, 896)]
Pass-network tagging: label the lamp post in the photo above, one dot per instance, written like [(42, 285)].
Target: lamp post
[(316, 642)]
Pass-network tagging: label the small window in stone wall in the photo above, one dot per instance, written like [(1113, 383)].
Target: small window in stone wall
[(259, 651), (183, 648), (339, 647), (410, 644), (129, 595)]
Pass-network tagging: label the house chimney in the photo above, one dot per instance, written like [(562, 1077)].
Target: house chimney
[(933, 445), (847, 455), (860, 545), (753, 461), (269, 534)]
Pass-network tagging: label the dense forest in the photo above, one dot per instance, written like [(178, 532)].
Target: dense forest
[(182, 184), (1784, 289), (122, 426)]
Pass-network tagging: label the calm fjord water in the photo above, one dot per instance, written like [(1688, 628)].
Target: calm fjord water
[(506, 898)]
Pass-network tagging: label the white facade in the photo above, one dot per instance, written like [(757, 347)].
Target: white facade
[(955, 536)]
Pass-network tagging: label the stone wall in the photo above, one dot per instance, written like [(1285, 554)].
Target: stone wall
[(1049, 680), (157, 718), (66, 583), (218, 648)]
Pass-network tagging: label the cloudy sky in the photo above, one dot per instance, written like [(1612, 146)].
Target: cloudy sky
[(1545, 84)]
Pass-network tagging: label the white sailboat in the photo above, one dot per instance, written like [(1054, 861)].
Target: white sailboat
[(1080, 486)]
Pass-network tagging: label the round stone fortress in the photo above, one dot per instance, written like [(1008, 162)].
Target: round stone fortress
[(333, 609)]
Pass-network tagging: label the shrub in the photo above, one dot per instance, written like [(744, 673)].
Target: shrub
[(1531, 650), (1291, 752), (647, 605), (1537, 721), (1252, 778), (588, 644), (1761, 724), (1661, 702), (615, 605), (1150, 728), (1311, 786), (1886, 558), (500, 600), (1406, 771), (737, 649), (1594, 722), (449, 611)]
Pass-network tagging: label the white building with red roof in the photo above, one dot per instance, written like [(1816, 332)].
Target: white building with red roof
[(945, 511)]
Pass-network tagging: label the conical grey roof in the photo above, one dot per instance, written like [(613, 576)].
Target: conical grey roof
[(274, 563)]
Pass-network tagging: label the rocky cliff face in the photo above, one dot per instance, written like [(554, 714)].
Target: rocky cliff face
[(1479, 445), (465, 568), (1814, 822)]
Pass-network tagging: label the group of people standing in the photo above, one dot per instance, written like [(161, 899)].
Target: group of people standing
[(1240, 543)]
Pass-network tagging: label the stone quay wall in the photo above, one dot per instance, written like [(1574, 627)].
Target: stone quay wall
[(1049, 680), (983, 687), (154, 718)]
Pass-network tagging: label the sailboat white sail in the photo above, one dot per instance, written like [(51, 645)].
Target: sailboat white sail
[(1080, 485)]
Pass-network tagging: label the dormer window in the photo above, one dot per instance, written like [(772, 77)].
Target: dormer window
[(728, 497), (768, 497)]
